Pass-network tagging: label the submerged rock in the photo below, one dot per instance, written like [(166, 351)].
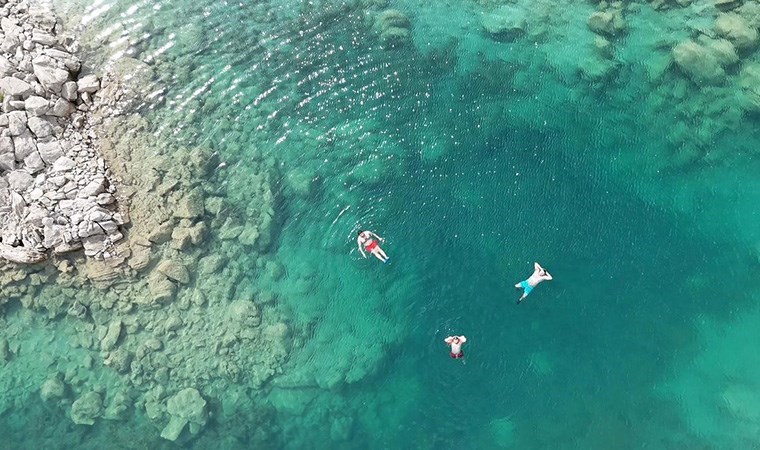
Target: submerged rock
[(52, 389), (734, 28), (186, 407), (698, 63), (87, 408), (393, 27), (608, 23), (504, 24)]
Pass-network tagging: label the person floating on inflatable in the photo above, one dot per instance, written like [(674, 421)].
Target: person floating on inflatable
[(456, 342), (366, 242), (539, 274)]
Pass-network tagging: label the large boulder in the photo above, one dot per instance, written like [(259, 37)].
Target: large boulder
[(87, 408), (504, 24), (190, 206), (245, 313), (186, 407), (52, 389), (14, 86), (750, 83), (699, 63), (608, 23), (40, 127), (47, 72), (16, 122), (734, 28), (393, 27), (174, 270), (36, 105), (50, 151)]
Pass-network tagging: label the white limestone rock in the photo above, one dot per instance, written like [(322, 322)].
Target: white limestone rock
[(41, 37), (88, 84), (16, 122), (24, 145), (704, 62), (69, 90), (50, 151), (41, 128), (68, 60), (7, 162), (20, 180), (49, 75), (33, 163), (93, 188), (62, 108), (64, 164), (6, 145), (6, 67), (36, 105)]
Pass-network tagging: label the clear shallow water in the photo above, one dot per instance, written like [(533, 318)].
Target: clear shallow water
[(472, 169)]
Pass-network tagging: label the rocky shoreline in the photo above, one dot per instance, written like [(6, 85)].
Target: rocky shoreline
[(80, 171), (57, 194)]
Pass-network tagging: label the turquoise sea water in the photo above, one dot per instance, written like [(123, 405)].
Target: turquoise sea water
[(473, 158)]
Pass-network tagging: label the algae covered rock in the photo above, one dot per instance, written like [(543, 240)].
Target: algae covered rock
[(245, 313), (608, 23), (174, 270), (699, 63), (190, 206), (112, 336), (87, 408), (52, 389), (734, 28), (504, 24), (393, 27), (750, 83), (185, 407)]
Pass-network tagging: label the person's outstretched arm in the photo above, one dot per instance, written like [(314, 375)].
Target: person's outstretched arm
[(361, 250), (378, 237)]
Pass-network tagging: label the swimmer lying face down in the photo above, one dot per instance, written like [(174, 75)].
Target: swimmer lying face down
[(368, 240), (539, 274)]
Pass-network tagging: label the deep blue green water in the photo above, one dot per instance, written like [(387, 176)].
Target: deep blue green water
[(473, 159)]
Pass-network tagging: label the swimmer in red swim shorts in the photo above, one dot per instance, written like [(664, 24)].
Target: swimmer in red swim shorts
[(455, 342), (366, 242)]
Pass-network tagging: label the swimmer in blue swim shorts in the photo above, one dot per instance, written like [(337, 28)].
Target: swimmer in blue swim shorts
[(539, 274)]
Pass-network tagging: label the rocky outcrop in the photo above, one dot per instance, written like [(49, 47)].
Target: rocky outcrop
[(393, 28), (56, 194), (609, 23), (87, 408), (186, 407), (504, 24), (705, 62), (736, 30)]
